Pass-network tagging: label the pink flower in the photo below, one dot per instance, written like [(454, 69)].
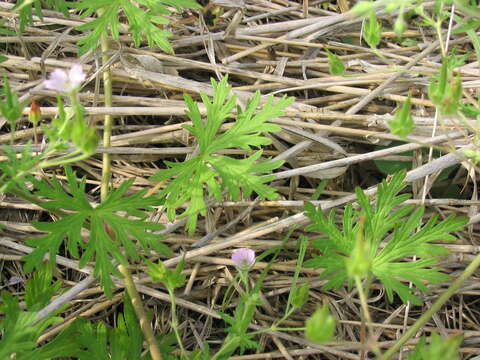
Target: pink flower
[(243, 258), (62, 81)]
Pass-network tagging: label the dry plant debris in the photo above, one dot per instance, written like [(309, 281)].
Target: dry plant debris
[(332, 138)]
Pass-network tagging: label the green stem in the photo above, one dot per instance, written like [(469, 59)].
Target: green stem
[(284, 317), (438, 30), (244, 277), (107, 131), (442, 299), (274, 328), (366, 318), (173, 310), (76, 155)]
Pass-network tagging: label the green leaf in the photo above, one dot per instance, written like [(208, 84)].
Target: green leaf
[(400, 25), (111, 235), (212, 174), (320, 327), (402, 124), (300, 295), (335, 64), (407, 237), (466, 25), (372, 31)]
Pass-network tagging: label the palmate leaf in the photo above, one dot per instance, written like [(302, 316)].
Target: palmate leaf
[(143, 16), (381, 219), (210, 173), (111, 235)]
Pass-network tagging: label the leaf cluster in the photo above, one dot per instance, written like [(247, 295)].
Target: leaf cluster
[(219, 172), (172, 279), (111, 234), (385, 222), (146, 20), (402, 124)]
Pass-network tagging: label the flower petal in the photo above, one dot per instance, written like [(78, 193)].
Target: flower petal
[(243, 258), (76, 75), (58, 80)]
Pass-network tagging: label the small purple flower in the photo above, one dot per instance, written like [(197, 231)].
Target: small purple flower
[(65, 82), (243, 258)]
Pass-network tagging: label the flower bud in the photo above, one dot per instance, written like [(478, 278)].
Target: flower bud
[(35, 115)]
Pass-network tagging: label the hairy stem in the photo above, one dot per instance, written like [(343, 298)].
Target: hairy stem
[(142, 316), (442, 299)]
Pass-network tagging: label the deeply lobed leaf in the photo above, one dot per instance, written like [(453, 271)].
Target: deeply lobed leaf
[(112, 237), (211, 174), (406, 235)]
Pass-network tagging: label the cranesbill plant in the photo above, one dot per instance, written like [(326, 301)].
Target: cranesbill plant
[(189, 180), (356, 249)]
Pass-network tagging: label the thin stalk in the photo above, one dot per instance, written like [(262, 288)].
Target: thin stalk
[(142, 316), (107, 131), (366, 318), (173, 310), (65, 159), (442, 299)]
